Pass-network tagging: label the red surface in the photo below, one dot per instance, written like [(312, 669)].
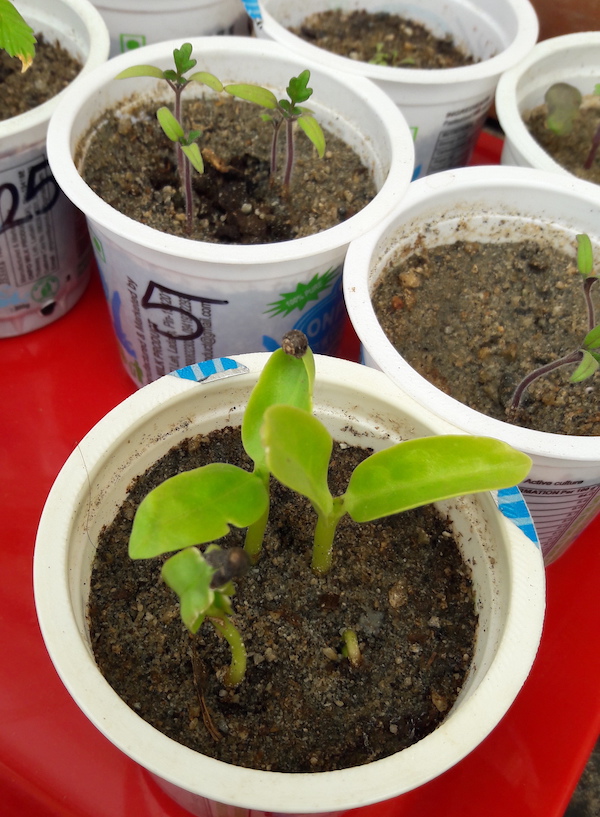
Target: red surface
[(56, 384)]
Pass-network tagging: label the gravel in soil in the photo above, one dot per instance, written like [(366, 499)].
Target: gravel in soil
[(570, 150), (382, 38), (131, 164), (475, 318), (400, 583), (52, 69)]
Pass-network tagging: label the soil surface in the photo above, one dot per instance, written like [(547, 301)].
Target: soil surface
[(382, 38), (571, 149), (400, 584), (475, 318), (52, 69), (131, 164)]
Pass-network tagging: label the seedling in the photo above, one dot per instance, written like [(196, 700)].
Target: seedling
[(381, 57), (187, 150), (288, 112), (588, 354), (16, 36), (198, 506), (406, 475), (285, 440), (564, 101)]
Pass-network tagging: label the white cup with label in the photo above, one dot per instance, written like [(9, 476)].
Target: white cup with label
[(444, 107), (498, 203)]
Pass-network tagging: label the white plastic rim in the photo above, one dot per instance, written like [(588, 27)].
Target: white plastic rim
[(134, 23), (572, 58), (45, 262), (445, 108), (489, 203), (174, 300), (507, 569)]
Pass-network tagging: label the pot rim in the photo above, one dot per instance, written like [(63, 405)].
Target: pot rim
[(60, 146), (471, 182), (250, 788), (527, 29)]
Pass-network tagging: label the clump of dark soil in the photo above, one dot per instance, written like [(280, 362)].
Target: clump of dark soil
[(400, 583), (383, 38), (475, 318), (52, 69), (570, 150), (131, 164)]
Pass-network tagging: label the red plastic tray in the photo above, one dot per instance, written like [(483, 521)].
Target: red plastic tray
[(56, 384)]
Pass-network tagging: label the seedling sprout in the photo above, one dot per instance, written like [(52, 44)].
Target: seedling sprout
[(564, 101), (588, 354), (288, 112)]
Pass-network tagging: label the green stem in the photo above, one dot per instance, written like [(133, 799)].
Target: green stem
[(237, 668), (324, 534), (351, 648), (255, 532)]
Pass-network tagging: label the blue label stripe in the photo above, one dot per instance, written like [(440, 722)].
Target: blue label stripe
[(211, 370), (252, 9), (513, 506)]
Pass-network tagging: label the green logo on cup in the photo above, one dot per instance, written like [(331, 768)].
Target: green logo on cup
[(131, 41), (45, 288)]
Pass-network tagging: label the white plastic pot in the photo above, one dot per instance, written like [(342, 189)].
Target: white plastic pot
[(358, 405), (133, 23), (174, 300), (488, 204), (445, 108), (44, 263), (573, 58)]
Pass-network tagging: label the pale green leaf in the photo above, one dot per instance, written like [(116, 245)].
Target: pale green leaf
[(170, 125), (563, 101), (253, 93), (585, 255), (284, 379), (313, 130), (189, 575), (195, 507), (429, 469), (205, 78), (592, 339), (194, 156), (141, 71), (588, 366), (298, 449)]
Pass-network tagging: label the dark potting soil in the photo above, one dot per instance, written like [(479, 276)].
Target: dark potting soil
[(475, 318), (52, 69), (131, 164), (382, 38), (400, 583), (570, 150)]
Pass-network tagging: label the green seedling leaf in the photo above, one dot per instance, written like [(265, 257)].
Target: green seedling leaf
[(205, 78), (189, 575), (141, 71), (563, 101), (417, 472), (253, 93), (195, 507), (181, 58), (588, 366), (585, 255), (170, 125), (313, 130), (16, 35), (298, 90), (192, 152), (298, 448), (284, 379), (592, 339)]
